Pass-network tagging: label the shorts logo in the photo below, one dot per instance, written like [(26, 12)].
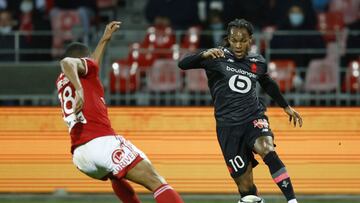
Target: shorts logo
[(117, 156), (261, 123)]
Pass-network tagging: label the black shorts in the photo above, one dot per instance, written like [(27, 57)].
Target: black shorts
[(237, 143)]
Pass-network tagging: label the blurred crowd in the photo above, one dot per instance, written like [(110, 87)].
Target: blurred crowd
[(54, 21), (67, 20)]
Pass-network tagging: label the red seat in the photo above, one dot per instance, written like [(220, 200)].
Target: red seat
[(191, 39), (329, 23), (160, 40), (142, 55), (62, 23), (283, 72), (164, 76), (352, 77), (322, 75), (124, 77), (196, 80)]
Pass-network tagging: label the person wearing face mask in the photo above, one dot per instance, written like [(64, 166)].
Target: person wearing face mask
[(215, 26), (6, 37), (297, 21), (31, 21)]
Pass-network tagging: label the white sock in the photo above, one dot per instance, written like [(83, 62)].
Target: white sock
[(292, 201)]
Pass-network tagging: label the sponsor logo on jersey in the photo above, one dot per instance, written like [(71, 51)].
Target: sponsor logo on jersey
[(230, 60), (240, 84), (241, 71)]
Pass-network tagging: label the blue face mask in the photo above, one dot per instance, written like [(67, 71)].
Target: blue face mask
[(296, 19)]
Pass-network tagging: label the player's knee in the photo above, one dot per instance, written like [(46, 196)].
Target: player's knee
[(263, 147), (266, 150), (153, 179)]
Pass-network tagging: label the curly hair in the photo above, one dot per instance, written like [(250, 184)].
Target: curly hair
[(238, 23)]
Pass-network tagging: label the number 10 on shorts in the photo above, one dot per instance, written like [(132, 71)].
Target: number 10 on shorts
[(237, 163)]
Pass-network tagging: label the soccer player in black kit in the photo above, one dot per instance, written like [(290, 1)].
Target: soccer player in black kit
[(241, 124)]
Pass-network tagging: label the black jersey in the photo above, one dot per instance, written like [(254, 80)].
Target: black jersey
[(232, 84)]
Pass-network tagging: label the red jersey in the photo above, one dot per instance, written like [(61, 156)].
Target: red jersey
[(93, 120)]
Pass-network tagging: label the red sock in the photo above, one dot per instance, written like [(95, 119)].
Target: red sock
[(124, 191), (166, 194)]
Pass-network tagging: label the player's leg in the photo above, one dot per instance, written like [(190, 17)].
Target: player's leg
[(264, 146), (245, 183), (92, 159), (239, 158), (124, 191), (145, 174)]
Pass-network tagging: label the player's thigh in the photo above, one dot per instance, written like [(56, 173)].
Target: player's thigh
[(236, 153), (86, 163), (107, 155), (145, 174)]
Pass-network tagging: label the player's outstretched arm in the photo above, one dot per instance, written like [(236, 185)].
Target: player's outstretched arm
[(194, 61), (100, 48), (72, 67), (273, 90)]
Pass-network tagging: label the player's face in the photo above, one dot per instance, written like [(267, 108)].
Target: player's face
[(240, 41)]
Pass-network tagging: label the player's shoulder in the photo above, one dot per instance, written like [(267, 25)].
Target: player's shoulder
[(89, 61), (255, 58), (91, 66)]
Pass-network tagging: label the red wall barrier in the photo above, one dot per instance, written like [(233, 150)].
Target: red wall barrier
[(321, 157)]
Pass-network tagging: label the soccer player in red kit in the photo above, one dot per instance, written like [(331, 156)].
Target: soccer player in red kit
[(97, 150)]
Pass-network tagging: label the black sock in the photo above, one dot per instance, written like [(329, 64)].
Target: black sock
[(280, 175), (251, 191)]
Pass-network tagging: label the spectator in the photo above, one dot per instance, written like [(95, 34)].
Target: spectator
[(31, 20), (215, 28), (182, 13), (297, 21), (7, 41), (87, 10), (276, 12)]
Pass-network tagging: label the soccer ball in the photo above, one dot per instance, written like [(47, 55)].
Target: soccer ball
[(251, 199)]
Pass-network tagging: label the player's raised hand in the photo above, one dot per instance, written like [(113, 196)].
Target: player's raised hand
[(294, 116), (110, 29), (213, 53), (79, 100)]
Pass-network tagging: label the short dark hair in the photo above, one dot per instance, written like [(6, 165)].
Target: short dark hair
[(238, 23), (76, 50)]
